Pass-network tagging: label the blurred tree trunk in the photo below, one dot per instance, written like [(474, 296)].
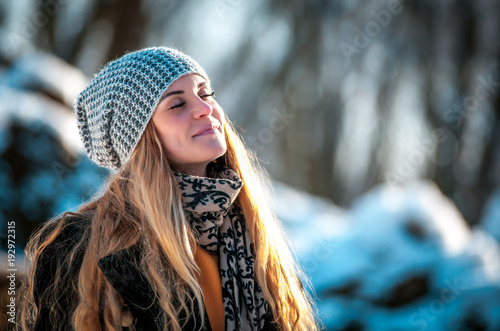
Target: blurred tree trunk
[(128, 20)]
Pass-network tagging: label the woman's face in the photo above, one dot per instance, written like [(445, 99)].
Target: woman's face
[(189, 123)]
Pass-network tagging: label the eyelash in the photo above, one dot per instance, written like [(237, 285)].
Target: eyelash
[(201, 96), (208, 95)]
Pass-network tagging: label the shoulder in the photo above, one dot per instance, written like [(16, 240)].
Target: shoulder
[(59, 240), (60, 249), (66, 229)]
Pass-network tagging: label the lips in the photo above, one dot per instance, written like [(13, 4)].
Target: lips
[(209, 128)]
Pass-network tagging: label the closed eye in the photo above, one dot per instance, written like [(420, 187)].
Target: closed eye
[(178, 105), (205, 96)]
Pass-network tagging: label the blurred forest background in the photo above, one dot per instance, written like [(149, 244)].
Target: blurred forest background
[(336, 97)]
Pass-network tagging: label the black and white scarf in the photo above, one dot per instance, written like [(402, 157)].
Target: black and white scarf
[(220, 227)]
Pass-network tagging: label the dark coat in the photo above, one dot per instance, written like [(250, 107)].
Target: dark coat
[(119, 269)]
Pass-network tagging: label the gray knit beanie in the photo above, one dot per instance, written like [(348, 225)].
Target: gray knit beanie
[(114, 109)]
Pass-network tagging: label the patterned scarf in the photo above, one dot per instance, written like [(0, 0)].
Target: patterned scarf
[(220, 227)]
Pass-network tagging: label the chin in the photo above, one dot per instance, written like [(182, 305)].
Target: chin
[(217, 148), (206, 153), (217, 152)]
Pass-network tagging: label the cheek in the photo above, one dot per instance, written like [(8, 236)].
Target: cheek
[(164, 129), (167, 124), (218, 113), (170, 138), (172, 134)]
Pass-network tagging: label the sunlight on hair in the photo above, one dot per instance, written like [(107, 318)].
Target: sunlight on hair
[(142, 206)]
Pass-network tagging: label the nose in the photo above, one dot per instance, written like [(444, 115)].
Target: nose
[(201, 109)]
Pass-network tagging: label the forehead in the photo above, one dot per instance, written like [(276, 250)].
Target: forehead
[(186, 81)]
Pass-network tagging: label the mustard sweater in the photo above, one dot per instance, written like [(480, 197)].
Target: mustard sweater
[(211, 286)]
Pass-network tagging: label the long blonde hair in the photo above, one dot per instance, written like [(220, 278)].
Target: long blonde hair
[(142, 204)]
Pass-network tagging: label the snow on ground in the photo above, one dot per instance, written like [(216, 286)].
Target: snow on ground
[(400, 259), (491, 218), (47, 73), (41, 87)]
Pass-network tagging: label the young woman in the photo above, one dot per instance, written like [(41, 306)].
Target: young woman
[(182, 237)]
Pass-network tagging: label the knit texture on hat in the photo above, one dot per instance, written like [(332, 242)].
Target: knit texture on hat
[(114, 109)]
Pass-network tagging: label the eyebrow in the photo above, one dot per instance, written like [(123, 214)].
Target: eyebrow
[(178, 92)]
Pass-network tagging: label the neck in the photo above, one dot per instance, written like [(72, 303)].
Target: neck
[(199, 170)]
